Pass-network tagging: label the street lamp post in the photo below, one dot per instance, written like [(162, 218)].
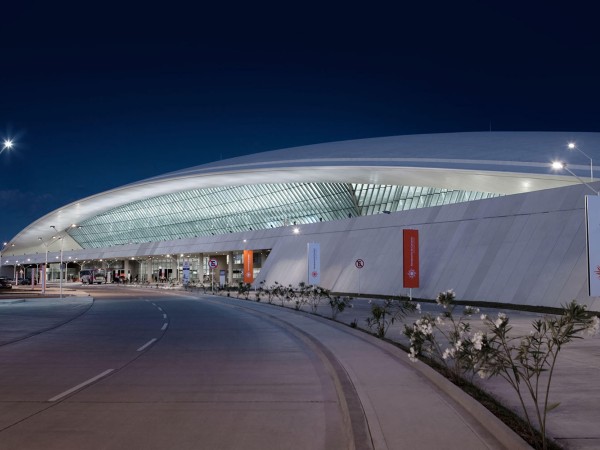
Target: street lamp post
[(572, 146), (4, 244), (44, 275), (60, 272), (559, 165), (60, 280)]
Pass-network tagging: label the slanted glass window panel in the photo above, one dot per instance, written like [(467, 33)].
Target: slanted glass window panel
[(202, 212)]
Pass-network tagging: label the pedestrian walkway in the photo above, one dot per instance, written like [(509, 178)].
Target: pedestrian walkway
[(407, 405), (573, 423)]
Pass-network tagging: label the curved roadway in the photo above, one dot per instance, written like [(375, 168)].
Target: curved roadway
[(143, 369)]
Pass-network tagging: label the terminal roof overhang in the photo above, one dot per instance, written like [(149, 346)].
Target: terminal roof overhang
[(496, 162)]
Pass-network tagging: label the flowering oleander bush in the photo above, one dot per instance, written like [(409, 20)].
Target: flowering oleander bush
[(316, 295), (300, 295), (338, 304), (244, 290), (526, 362), (385, 313), (445, 338)]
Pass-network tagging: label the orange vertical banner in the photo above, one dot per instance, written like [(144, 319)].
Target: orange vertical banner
[(411, 258), (248, 266)]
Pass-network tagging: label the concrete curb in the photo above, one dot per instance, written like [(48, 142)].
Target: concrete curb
[(11, 301)]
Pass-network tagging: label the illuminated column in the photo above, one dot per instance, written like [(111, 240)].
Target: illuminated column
[(230, 268), (201, 267)]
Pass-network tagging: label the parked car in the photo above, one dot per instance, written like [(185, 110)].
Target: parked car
[(5, 284), (25, 281)]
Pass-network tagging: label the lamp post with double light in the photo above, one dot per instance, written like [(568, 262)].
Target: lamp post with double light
[(45, 271), (559, 165), (61, 237), (573, 146), (60, 272)]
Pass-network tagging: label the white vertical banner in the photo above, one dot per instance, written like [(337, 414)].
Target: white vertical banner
[(592, 216), (314, 263), (186, 271)]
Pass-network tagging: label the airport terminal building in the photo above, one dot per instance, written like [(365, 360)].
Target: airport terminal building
[(495, 222)]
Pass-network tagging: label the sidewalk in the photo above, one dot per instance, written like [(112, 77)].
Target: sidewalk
[(407, 405), (574, 423)]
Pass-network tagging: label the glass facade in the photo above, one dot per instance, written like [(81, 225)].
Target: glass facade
[(212, 211)]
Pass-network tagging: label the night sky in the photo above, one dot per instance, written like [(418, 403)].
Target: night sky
[(100, 95)]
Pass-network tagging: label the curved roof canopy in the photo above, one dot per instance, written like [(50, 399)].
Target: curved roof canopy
[(316, 182)]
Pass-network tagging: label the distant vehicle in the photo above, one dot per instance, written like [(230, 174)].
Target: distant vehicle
[(5, 284), (24, 281), (92, 276)]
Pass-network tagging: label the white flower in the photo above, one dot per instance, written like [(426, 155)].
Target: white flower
[(439, 321), (423, 326), (483, 374), (500, 320), (469, 310), (458, 345), (477, 340), (412, 355), (594, 327), (449, 353), (418, 307), (483, 316)]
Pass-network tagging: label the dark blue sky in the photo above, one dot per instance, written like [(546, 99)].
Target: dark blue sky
[(100, 96)]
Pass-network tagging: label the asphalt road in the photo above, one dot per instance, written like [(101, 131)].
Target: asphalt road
[(147, 370)]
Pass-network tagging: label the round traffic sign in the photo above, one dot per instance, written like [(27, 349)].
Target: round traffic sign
[(212, 263), (359, 263)]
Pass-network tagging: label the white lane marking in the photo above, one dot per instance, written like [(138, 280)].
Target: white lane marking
[(164, 327), (147, 344), (164, 316), (79, 386)]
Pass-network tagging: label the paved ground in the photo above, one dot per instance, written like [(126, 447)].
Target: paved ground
[(148, 369), (574, 424)]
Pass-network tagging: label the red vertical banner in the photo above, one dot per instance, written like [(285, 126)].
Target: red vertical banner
[(411, 258), (248, 266)]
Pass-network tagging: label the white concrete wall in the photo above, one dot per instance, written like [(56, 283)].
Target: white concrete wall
[(522, 249)]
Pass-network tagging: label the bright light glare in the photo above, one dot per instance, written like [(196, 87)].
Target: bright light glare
[(571, 145), (558, 165), (8, 144), (296, 230)]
